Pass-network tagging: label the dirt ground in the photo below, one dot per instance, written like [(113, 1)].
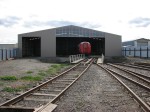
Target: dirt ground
[(20, 68)]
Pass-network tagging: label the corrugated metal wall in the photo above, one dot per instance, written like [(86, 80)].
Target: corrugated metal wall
[(6, 54), (143, 51), (48, 39), (48, 42)]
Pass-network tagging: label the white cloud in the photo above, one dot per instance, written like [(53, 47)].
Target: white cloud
[(112, 16)]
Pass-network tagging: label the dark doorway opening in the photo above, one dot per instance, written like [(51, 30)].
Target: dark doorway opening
[(69, 45), (31, 46)]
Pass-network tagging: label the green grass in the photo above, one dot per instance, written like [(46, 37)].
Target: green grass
[(1, 83), (55, 68), (42, 74), (10, 89), (51, 71), (29, 72), (58, 66), (77, 75), (8, 78), (32, 78), (14, 89)]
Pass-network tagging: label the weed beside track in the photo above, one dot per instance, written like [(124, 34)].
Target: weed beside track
[(10, 83)]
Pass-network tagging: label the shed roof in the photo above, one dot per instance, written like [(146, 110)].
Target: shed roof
[(76, 31), (142, 39)]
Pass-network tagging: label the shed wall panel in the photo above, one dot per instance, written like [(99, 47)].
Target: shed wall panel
[(48, 42), (112, 45)]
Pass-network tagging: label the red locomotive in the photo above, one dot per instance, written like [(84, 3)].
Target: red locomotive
[(85, 48)]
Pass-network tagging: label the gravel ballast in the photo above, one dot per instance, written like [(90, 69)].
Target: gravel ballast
[(96, 91)]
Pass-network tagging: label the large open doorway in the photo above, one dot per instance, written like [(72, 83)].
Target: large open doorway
[(31, 46), (69, 45)]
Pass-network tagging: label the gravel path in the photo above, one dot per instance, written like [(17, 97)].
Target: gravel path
[(96, 91)]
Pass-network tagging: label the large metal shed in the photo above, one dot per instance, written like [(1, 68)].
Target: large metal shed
[(63, 41)]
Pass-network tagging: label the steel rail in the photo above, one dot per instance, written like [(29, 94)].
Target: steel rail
[(141, 65), (9, 104), (131, 80), (133, 66), (148, 77), (20, 97), (131, 73), (137, 98), (60, 94)]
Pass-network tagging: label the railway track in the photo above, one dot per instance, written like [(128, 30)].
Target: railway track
[(137, 85), (142, 63), (42, 97), (130, 72), (142, 67)]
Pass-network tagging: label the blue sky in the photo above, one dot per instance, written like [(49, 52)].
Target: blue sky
[(129, 18)]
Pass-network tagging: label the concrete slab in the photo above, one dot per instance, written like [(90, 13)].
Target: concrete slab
[(99, 61), (49, 108), (77, 61)]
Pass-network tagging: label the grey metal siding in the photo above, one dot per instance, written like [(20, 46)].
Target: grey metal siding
[(8, 46), (19, 45), (48, 42), (112, 45), (128, 43)]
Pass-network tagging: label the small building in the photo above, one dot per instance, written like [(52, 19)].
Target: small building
[(8, 46), (137, 42), (64, 41), (137, 48), (8, 51)]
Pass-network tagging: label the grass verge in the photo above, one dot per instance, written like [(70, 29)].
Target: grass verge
[(8, 78), (42, 74), (1, 83), (55, 68), (29, 72), (14, 88), (32, 78)]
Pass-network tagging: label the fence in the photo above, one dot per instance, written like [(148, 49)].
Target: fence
[(6, 54), (142, 52), (77, 57)]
